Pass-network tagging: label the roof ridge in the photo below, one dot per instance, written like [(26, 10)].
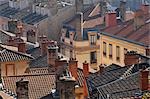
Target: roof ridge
[(20, 53), (119, 79)]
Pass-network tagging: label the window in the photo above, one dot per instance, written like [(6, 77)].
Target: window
[(104, 48), (93, 39), (93, 57), (10, 69), (110, 51), (117, 53)]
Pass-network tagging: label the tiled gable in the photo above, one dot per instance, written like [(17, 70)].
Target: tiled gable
[(39, 85), (9, 55)]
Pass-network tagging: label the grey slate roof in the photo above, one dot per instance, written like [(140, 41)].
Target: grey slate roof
[(121, 88), (112, 83), (9, 55), (33, 18)]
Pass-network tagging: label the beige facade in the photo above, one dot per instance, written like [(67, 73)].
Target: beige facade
[(123, 47), (114, 50), (14, 68)]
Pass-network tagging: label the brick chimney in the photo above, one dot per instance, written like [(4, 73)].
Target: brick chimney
[(122, 10), (145, 8), (22, 47), (85, 69), (43, 46), (138, 19), (110, 19), (73, 67), (22, 89), (144, 82), (31, 36), (86, 73), (52, 54), (131, 58)]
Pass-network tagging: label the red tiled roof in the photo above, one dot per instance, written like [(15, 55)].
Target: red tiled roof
[(39, 85), (127, 31)]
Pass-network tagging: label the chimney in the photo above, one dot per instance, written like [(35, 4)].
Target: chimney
[(122, 10), (144, 82), (145, 8), (52, 54), (101, 68), (73, 68), (85, 69), (138, 19), (22, 89), (79, 5), (110, 19), (86, 73), (22, 47), (31, 36), (79, 27), (44, 45), (103, 7), (131, 58)]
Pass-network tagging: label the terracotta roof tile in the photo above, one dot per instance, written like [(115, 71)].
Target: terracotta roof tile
[(39, 85), (9, 55), (128, 32)]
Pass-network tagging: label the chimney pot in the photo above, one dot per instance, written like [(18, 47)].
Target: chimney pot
[(22, 47), (73, 68), (144, 82), (85, 69), (22, 89)]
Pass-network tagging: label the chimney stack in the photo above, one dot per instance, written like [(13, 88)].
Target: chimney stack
[(86, 73), (122, 10), (131, 58), (110, 19), (22, 89), (144, 82), (85, 69), (22, 47), (145, 8), (31, 36), (79, 5), (103, 7), (138, 19), (73, 67), (79, 27), (52, 54), (43, 44)]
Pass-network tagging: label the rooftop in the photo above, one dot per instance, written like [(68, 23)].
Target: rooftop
[(10, 55), (40, 85)]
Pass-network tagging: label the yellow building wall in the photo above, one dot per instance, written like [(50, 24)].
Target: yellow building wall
[(122, 44), (20, 67)]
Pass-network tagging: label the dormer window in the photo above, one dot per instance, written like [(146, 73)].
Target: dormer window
[(92, 39)]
